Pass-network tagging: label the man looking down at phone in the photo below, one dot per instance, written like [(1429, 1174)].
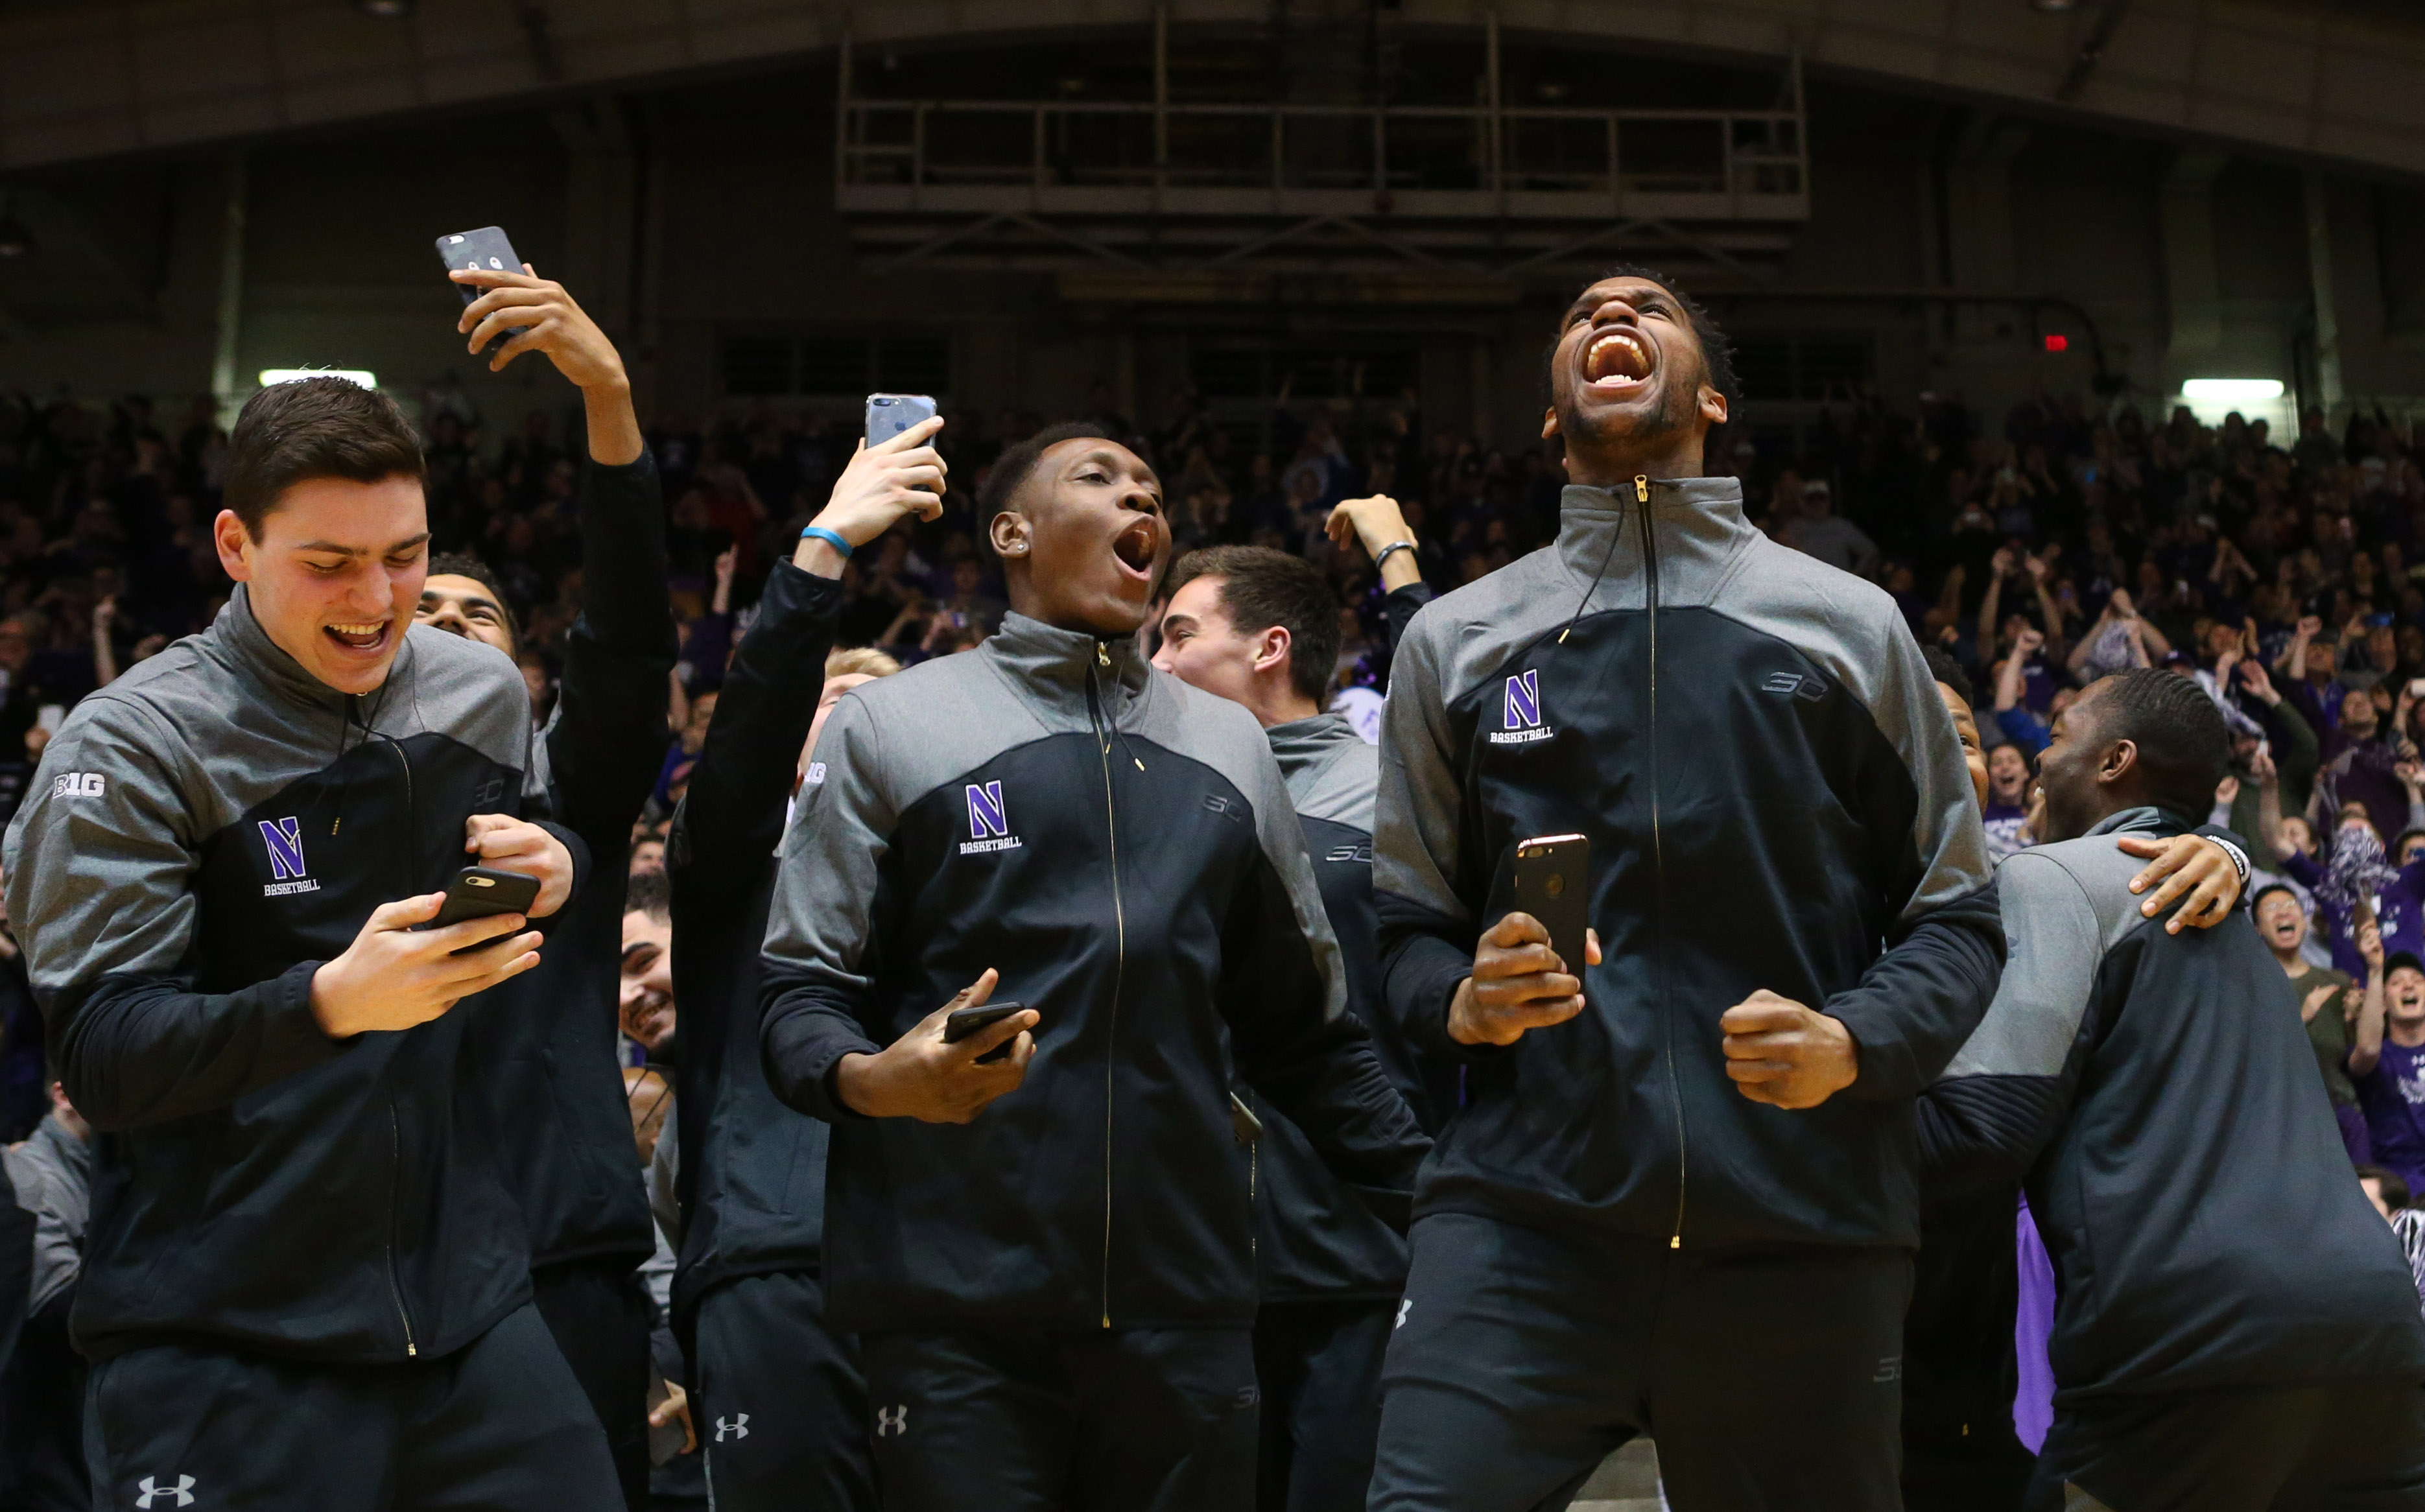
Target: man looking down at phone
[(548, 1050), (2235, 1329), (1260, 628), (1049, 1256), (218, 880), (1680, 1196), (778, 1390)]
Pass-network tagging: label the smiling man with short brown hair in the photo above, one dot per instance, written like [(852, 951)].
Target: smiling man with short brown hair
[(292, 1198)]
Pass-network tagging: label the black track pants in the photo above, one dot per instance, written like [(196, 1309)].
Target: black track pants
[(1769, 1375), (2354, 1447), (499, 1425), (1987, 1470), (1034, 1420), (1319, 1367), (597, 1310), (782, 1407)]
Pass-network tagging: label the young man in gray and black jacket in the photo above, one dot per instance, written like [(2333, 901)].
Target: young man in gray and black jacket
[(1054, 1294), (2235, 1329), (1681, 1197), (305, 1285), (1260, 628)]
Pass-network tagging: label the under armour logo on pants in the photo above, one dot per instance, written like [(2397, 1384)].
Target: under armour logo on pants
[(891, 1421), (737, 1425), (153, 1489)]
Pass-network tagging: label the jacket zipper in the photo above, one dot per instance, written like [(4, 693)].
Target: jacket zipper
[(1120, 959), (1658, 849), (395, 1125), (394, 1284)]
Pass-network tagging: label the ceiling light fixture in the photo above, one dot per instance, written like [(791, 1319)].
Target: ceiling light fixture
[(2054, 7), (2232, 391), (385, 10)]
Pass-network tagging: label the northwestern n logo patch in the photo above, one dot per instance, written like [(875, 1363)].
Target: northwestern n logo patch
[(1519, 716), (988, 822), (284, 839)]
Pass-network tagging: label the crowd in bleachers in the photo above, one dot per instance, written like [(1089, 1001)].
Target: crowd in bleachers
[(2062, 542)]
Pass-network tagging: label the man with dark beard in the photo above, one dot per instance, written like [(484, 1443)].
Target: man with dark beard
[(1679, 1196)]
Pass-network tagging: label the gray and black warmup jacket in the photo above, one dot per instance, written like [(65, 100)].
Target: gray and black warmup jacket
[(1772, 788), (203, 834), (1315, 1240), (1122, 848), (547, 1039), (2182, 1162), (752, 1181)]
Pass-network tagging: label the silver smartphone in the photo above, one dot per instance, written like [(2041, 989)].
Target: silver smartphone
[(890, 414)]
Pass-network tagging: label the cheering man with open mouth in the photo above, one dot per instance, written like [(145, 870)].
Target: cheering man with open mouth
[(1043, 1231), (1681, 1197)]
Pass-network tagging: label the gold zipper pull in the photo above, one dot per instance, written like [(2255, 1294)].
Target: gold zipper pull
[(1641, 488), (1102, 655)]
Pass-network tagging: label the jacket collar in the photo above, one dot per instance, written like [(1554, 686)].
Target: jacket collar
[(71, 1153), (1696, 526), (239, 638), (2134, 820), (1057, 664), (1301, 743)]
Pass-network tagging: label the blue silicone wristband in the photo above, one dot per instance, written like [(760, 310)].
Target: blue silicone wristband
[(830, 537)]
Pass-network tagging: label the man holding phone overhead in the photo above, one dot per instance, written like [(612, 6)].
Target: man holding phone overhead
[(1049, 1257), (306, 1285), (1679, 1197), (548, 1053), (777, 1394)]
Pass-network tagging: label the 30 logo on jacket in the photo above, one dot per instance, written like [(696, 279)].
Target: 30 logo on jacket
[(1520, 712), (988, 821)]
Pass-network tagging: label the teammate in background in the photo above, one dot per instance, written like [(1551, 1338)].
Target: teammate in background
[(781, 1402), (1680, 1196), (1260, 628), (550, 1047), (2235, 1329), (42, 1378), (1961, 1448), (1054, 1294), (295, 1201)]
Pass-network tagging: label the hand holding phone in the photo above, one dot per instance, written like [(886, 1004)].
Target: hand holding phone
[(962, 1023), (397, 975), (482, 251), (483, 893), (1519, 984), (923, 1076), (1552, 883), (884, 481), (890, 414)]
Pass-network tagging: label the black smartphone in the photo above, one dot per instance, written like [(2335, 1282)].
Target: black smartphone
[(485, 248), (483, 893), (1553, 885), (966, 1021)]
